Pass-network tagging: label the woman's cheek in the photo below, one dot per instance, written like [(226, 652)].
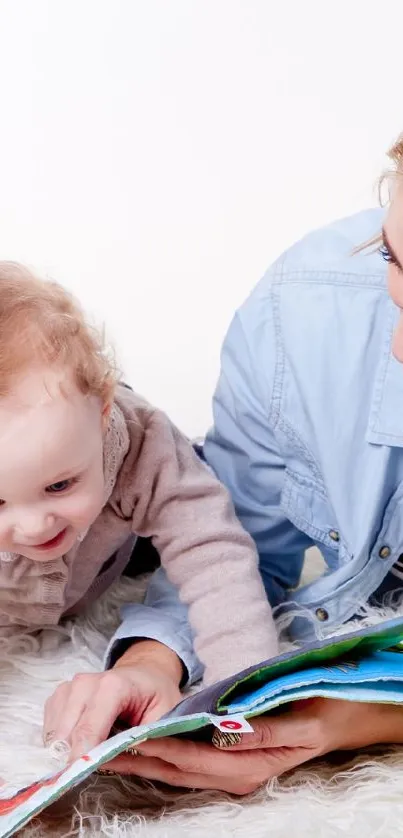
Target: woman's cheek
[(397, 343), (395, 286)]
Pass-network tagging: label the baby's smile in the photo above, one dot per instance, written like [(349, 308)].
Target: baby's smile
[(51, 465)]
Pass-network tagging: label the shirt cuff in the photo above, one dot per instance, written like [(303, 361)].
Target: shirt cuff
[(140, 622)]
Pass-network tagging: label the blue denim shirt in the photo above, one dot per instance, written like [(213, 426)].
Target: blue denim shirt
[(308, 431)]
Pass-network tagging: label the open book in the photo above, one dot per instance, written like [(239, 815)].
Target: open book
[(365, 665)]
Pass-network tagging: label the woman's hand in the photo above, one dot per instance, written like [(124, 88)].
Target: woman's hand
[(279, 743), (142, 687)]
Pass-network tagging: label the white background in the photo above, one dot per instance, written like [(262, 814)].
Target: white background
[(157, 155)]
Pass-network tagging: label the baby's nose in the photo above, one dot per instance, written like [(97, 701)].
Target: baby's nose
[(34, 526)]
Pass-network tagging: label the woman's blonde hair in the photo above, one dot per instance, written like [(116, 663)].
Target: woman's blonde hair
[(41, 322), (395, 154)]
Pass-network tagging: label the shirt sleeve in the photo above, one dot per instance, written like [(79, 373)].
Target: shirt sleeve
[(162, 617), (175, 499), (243, 451)]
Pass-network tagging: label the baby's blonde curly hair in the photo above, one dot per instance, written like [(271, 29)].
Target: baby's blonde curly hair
[(41, 322)]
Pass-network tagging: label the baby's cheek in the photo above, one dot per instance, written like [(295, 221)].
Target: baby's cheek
[(5, 536), (85, 509)]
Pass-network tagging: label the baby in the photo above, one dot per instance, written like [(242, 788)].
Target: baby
[(86, 465)]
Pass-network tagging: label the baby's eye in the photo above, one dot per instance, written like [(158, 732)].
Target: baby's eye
[(60, 486)]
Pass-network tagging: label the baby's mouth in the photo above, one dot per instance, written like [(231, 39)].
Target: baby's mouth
[(53, 542)]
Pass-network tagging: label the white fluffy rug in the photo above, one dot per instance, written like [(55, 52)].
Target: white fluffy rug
[(361, 797)]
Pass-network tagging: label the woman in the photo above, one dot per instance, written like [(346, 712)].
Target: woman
[(308, 437)]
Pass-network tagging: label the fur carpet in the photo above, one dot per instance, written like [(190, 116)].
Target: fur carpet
[(361, 796)]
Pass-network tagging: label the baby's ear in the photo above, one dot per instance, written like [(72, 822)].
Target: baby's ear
[(106, 412)]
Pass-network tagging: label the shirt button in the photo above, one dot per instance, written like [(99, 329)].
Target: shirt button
[(384, 552), (322, 614), (334, 535)]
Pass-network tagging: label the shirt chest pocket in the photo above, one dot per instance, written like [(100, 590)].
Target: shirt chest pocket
[(308, 508)]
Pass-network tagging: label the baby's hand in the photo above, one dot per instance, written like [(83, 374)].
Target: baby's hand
[(142, 687)]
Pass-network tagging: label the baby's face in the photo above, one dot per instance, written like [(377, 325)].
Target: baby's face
[(51, 465)]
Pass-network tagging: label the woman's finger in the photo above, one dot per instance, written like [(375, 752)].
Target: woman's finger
[(152, 768), (64, 709), (202, 759), (160, 708), (240, 774), (294, 728), (288, 730), (193, 757), (101, 711), (52, 711)]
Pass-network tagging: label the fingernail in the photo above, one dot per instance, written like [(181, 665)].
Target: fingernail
[(133, 752), (106, 771), (225, 740), (49, 737)]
